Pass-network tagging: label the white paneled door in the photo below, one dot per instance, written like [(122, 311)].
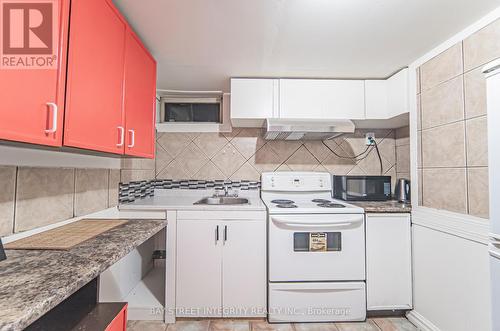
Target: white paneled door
[(244, 269), (199, 269)]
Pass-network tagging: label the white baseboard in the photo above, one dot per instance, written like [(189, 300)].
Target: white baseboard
[(421, 322)]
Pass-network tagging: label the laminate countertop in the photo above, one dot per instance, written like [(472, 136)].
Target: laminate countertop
[(391, 206), (32, 282)]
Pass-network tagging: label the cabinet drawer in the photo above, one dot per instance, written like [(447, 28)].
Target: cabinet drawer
[(317, 302)]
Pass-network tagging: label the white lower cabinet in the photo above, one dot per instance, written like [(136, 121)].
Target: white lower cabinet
[(388, 261), (221, 268)]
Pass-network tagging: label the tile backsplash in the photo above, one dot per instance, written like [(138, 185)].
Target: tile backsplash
[(33, 197), (452, 125), (243, 155)]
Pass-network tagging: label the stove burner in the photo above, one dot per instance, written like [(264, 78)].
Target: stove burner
[(282, 201), (321, 201), (331, 205), (286, 205)]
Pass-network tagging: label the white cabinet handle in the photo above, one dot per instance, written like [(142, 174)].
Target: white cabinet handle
[(122, 136), (132, 138), (54, 117)]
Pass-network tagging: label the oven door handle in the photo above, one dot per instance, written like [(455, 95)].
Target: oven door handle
[(315, 224)]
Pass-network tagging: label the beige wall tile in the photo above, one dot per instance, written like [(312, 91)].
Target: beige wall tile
[(91, 190), (478, 192), (210, 143), (138, 163), (403, 158), (265, 160), (162, 160), (175, 170), (44, 196), (443, 104), (302, 160), (209, 172), (338, 165), (284, 149), (228, 160), (445, 189), (483, 46), (136, 175), (444, 146), (174, 143), (318, 149), (113, 188), (192, 158), (442, 67), (477, 141), (403, 136), (7, 195), (475, 93), (248, 142), (371, 164), (246, 172)]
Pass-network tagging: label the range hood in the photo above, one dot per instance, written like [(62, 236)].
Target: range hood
[(300, 129)]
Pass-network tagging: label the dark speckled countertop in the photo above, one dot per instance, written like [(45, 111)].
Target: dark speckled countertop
[(32, 282), (391, 206)]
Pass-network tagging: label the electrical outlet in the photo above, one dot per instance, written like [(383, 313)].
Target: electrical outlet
[(370, 136)]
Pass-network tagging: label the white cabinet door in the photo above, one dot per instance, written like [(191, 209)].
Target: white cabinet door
[(253, 100), (376, 99), (322, 99), (397, 94), (244, 269), (388, 259), (199, 269)]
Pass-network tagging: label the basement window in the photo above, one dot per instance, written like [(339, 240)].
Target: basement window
[(189, 110)]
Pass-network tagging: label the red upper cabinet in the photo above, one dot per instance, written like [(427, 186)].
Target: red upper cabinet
[(32, 99), (139, 98), (94, 97)]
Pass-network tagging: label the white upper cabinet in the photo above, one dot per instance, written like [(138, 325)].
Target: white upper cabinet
[(321, 99), (253, 100), (397, 94), (387, 98), (376, 99)]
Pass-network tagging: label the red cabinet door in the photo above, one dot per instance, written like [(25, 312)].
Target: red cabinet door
[(32, 100), (94, 117), (140, 98), (119, 323)]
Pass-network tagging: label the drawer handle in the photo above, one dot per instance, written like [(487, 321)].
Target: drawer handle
[(54, 117), (122, 136), (132, 138)]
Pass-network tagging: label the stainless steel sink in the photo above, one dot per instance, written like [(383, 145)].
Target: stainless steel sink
[(222, 201)]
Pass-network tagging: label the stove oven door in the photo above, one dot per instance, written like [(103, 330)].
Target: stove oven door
[(323, 247)]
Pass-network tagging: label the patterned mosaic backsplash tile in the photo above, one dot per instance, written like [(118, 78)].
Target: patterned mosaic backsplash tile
[(132, 191)]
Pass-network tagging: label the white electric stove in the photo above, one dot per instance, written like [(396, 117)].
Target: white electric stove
[(316, 250)]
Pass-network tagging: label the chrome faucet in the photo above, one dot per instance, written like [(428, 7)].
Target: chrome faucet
[(228, 192)]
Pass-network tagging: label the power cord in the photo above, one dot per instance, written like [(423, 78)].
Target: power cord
[(367, 151)]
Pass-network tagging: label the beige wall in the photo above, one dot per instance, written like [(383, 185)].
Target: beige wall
[(243, 154), (452, 125), (34, 197)]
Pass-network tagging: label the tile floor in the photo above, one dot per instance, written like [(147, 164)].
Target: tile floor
[(372, 324)]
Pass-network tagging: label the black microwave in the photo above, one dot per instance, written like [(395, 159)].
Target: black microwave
[(362, 188)]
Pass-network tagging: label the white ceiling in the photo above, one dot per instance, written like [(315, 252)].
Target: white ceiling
[(199, 44)]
